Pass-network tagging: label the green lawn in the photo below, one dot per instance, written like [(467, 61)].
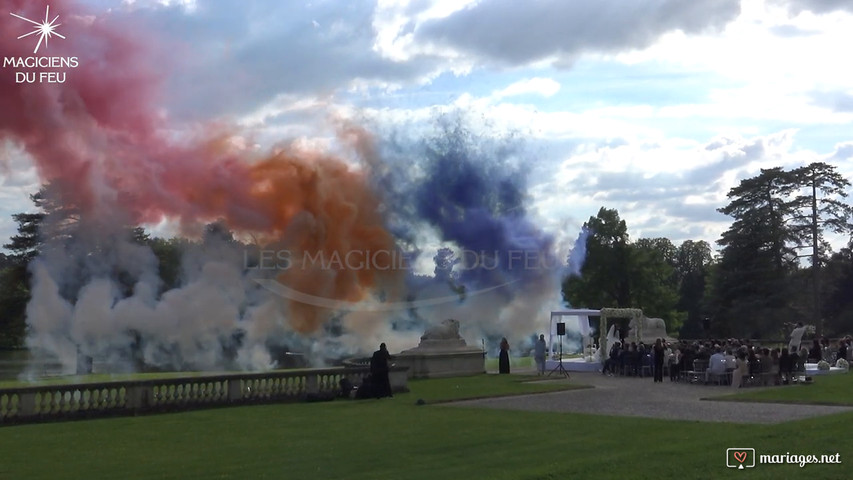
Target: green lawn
[(514, 362), (396, 439), (480, 386), (518, 362), (103, 377), (825, 390)]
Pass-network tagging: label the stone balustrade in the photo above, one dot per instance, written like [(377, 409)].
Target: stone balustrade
[(132, 397)]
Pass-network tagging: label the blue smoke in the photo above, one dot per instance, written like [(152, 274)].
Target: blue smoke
[(577, 256), (472, 192)]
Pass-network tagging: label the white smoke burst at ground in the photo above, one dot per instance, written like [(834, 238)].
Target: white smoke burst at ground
[(98, 293)]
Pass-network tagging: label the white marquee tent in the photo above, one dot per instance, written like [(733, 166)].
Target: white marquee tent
[(575, 320), (580, 318)]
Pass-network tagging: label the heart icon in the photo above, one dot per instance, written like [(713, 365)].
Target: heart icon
[(740, 456)]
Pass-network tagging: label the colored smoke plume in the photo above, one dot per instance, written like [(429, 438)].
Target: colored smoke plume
[(471, 191), (100, 142), (112, 155)]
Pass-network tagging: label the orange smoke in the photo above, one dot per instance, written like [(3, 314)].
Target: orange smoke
[(100, 140), (322, 207), (305, 202)]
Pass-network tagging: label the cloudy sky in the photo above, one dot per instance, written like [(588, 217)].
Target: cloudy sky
[(653, 107)]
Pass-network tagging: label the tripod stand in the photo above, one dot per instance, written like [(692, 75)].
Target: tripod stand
[(559, 368)]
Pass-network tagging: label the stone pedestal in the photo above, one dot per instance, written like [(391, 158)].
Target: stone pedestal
[(434, 364), (442, 353)]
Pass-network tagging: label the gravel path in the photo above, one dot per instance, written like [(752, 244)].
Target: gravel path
[(641, 397)]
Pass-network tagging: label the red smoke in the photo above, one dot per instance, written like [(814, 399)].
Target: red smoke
[(100, 140)]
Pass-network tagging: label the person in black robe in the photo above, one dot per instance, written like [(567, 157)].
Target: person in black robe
[(379, 364), (658, 350), (503, 360), (816, 352), (786, 366)]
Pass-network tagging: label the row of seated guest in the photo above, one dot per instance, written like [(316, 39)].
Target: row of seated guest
[(628, 359), (821, 350), (736, 359)]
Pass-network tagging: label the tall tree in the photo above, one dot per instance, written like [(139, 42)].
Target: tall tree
[(692, 266), (604, 276), (776, 215), (26, 243), (653, 280), (761, 207), (820, 207), (14, 278), (836, 299), (617, 273), (53, 220), (169, 254), (750, 291), (14, 295)]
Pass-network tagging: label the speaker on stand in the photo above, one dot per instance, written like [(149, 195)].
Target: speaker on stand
[(561, 331)]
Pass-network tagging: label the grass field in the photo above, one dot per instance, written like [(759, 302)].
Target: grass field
[(514, 362), (103, 377), (397, 439), (826, 390), (517, 362)]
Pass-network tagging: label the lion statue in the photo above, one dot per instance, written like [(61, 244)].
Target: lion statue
[(653, 328), (446, 330)]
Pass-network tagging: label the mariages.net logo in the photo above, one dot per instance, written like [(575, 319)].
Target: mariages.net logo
[(35, 68), (743, 458)]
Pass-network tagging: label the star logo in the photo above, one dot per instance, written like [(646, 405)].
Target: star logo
[(45, 29)]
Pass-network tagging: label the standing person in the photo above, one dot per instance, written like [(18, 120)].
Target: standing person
[(674, 361), (659, 356), (503, 359), (379, 371), (741, 370), (539, 355), (786, 366), (816, 352), (613, 360), (796, 338), (842, 350)]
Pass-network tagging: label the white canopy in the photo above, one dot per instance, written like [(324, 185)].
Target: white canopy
[(583, 315), (575, 320)]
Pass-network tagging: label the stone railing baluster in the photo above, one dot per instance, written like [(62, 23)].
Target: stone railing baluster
[(37, 403)]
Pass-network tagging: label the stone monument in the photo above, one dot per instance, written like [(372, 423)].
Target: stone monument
[(653, 328), (442, 352)]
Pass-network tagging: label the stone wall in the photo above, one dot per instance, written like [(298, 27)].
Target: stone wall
[(91, 400)]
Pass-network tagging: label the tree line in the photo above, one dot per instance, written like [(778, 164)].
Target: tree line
[(773, 265)]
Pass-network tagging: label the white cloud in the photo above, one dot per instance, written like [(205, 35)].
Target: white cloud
[(767, 74), (546, 87), (817, 6), (519, 33), (702, 93)]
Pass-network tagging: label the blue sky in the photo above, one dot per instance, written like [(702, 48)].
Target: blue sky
[(655, 107)]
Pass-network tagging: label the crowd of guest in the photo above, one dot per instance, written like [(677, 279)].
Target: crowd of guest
[(723, 361)]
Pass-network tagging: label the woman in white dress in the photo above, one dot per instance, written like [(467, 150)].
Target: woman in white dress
[(741, 370)]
